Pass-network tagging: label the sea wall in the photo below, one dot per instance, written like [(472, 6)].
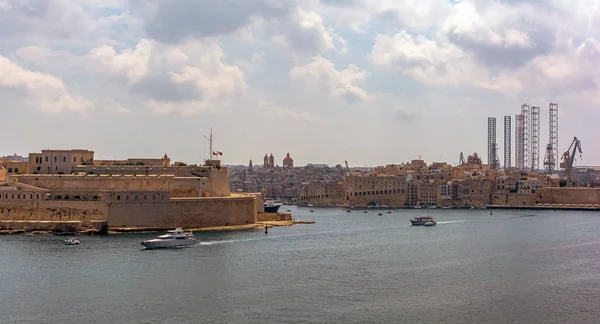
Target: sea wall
[(568, 196), (183, 212), (50, 210), (268, 217), (14, 226)]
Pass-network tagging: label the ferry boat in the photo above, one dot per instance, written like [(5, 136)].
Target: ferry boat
[(173, 239), (423, 221), (71, 241), (272, 207)]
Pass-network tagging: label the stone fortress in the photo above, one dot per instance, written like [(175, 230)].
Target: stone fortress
[(71, 187)]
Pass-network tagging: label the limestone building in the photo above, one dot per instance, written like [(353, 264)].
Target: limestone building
[(59, 161)]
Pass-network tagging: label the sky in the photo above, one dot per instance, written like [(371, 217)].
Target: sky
[(372, 82)]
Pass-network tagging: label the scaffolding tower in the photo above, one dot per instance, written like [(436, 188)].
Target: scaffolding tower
[(492, 145), (519, 143), (535, 138), (553, 130), (526, 113), (507, 142)]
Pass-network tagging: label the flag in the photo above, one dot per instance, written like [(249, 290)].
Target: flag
[(215, 153), (220, 153)]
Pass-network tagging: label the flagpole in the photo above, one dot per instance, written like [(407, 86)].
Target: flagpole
[(210, 146)]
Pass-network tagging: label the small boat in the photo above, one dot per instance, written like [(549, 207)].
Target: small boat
[(389, 212), (348, 211), (312, 210), (289, 210), (379, 214), (309, 205), (71, 241), (364, 212), (423, 220), (173, 239)]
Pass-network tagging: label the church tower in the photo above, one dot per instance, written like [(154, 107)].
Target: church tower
[(266, 161)]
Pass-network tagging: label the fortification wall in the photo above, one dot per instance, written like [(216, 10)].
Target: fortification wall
[(515, 199), (183, 212), (31, 210), (178, 186), (569, 196)]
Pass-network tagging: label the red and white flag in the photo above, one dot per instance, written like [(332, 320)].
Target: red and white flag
[(217, 153)]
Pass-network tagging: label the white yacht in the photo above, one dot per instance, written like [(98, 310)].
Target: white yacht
[(173, 239)]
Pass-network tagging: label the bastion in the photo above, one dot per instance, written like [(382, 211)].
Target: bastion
[(196, 197)]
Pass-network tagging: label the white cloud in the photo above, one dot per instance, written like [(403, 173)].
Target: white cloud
[(305, 31), (187, 78), (322, 74), (40, 90), (286, 113)]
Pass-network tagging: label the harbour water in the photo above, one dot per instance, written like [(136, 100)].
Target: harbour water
[(509, 267)]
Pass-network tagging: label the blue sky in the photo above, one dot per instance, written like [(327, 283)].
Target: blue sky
[(371, 82)]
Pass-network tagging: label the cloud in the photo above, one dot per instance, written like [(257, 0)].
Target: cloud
[(405, 116), (39, 90), (286, 113), (186, 78), (322, 74), (427, 61), (304, 31), (175, 20)]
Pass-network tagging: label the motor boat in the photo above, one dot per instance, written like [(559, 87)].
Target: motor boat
[(71, 241), (423, 221), (173, 239)]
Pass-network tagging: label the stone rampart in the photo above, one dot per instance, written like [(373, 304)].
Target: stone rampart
[(269, 217), (178, 186), (53, 210), (568, 196), (183, 212)]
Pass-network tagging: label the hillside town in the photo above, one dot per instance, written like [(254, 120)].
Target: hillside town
[(411, 184)]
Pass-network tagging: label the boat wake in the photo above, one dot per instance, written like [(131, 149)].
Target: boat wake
[(456, 221), (201, 243)]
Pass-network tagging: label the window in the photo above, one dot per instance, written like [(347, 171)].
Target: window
[(135, 197), (145, 197), (46, 159), (82, 159), (153, 197), (31, 196), (37, 160), (118, 197), (74, 159), (55, 159), (10, 170), (16, 170), (64, 159)]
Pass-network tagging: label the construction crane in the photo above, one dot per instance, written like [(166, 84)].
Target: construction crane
[(568, 158), (461, 159)]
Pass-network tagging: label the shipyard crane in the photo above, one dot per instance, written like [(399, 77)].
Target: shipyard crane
[(569, 157), (461, 159)]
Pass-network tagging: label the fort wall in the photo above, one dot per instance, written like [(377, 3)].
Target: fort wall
[(183, 212), (178, 186), (568, 196)]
